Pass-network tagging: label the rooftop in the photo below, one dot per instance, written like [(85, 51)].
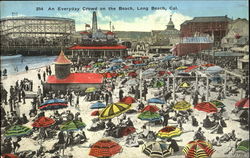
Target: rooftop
[(208, 19), (116, 47), (62, 59), (83, 78)]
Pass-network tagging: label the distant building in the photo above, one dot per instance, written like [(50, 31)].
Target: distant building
[(163, 40), (216, 26), (64, 79)]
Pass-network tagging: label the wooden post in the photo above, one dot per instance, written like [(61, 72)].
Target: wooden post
[(207, 93)]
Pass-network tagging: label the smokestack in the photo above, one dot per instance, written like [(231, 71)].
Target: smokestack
[(94, 23)]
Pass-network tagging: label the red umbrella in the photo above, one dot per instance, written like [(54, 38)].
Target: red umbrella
[(132, 74), (128, 100), (144, 57), (105, 148), (243, 103), (9, 156), (95, 113), (161, 73), (87, 66), (137, 62), (191, 68), (130, 57), (125, 67), (208, 65), (206, 107), (128, 130), (151, 108), (43, 122), (109, 75)]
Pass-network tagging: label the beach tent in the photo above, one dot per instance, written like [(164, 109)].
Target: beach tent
[(43, 122), (198, 149), (105, 148), (169, 132), (184, 85), (151, 108), (243, 103), (149, 116), (206, 107), (128, 100), (17, 130), (182, 106), (53, 104), (243, 146), (113, 110), (156, 100), (97, 105), (72, 126), (157, 149)]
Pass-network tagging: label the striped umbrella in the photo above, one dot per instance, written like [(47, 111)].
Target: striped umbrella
[(244, 146), (182, 106), (206, 107), (149, 116), (17, 130), (217, 103), (198, 149), (105, 148), (43, 122), (53, 104), (72, 126), (157, 149), (113, 110), (243, 103), (97, 105), (169, 132)]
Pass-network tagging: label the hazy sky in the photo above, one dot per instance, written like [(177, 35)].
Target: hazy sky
[(138, 20)]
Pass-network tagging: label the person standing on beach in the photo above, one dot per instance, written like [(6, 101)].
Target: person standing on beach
[(44, 76), (39, 75), (26, 68)]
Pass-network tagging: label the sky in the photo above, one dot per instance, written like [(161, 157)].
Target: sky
[(136, 19)]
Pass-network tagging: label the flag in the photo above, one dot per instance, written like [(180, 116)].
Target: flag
[(87, 25)]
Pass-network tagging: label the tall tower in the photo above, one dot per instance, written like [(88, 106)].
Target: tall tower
[(94, 23), (170, 25), (62, 66)]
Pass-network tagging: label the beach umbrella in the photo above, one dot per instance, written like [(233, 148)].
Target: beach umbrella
[(182, 68), (128, 100), (9, 156), (190, 68), (87, 66), (72, 126), (90, 90), (243, 103), (157, 149), (206, 107), (208, 65), (127, 130), (125, 67), (244, 146), (43, 122), (217, 103), (53, 104), (97, 105), (113, 68), (213, 69), (117, 61), (130, 57), (132, 74), (151, 108), (184, 85), (100, 60), (198, 149), (95, 113), (156, 100), (149, 71), (113, 110), (105, 148), (167, 58), (137, 62), (149, 116), (141, 64), (169, 132), (18, 130), (182, 106), (144, 57)]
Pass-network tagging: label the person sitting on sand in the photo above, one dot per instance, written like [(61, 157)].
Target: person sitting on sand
[(199, 135), (173, 145), (228, 136), (144, 132), (207, 123), (110, 125), (132, 140), (194, 121), (216, 141)]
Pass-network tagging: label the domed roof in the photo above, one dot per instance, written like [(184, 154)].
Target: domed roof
[(170, 25), (62, 59)]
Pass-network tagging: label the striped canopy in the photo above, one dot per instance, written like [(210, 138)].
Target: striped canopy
[(113, 110), (72, 126), (43, 122), (53, 104), (149, 116), (157, 149), (244, 146), (17, 130), (182, 106), (198, 149), (169, 132), (105, 148)]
